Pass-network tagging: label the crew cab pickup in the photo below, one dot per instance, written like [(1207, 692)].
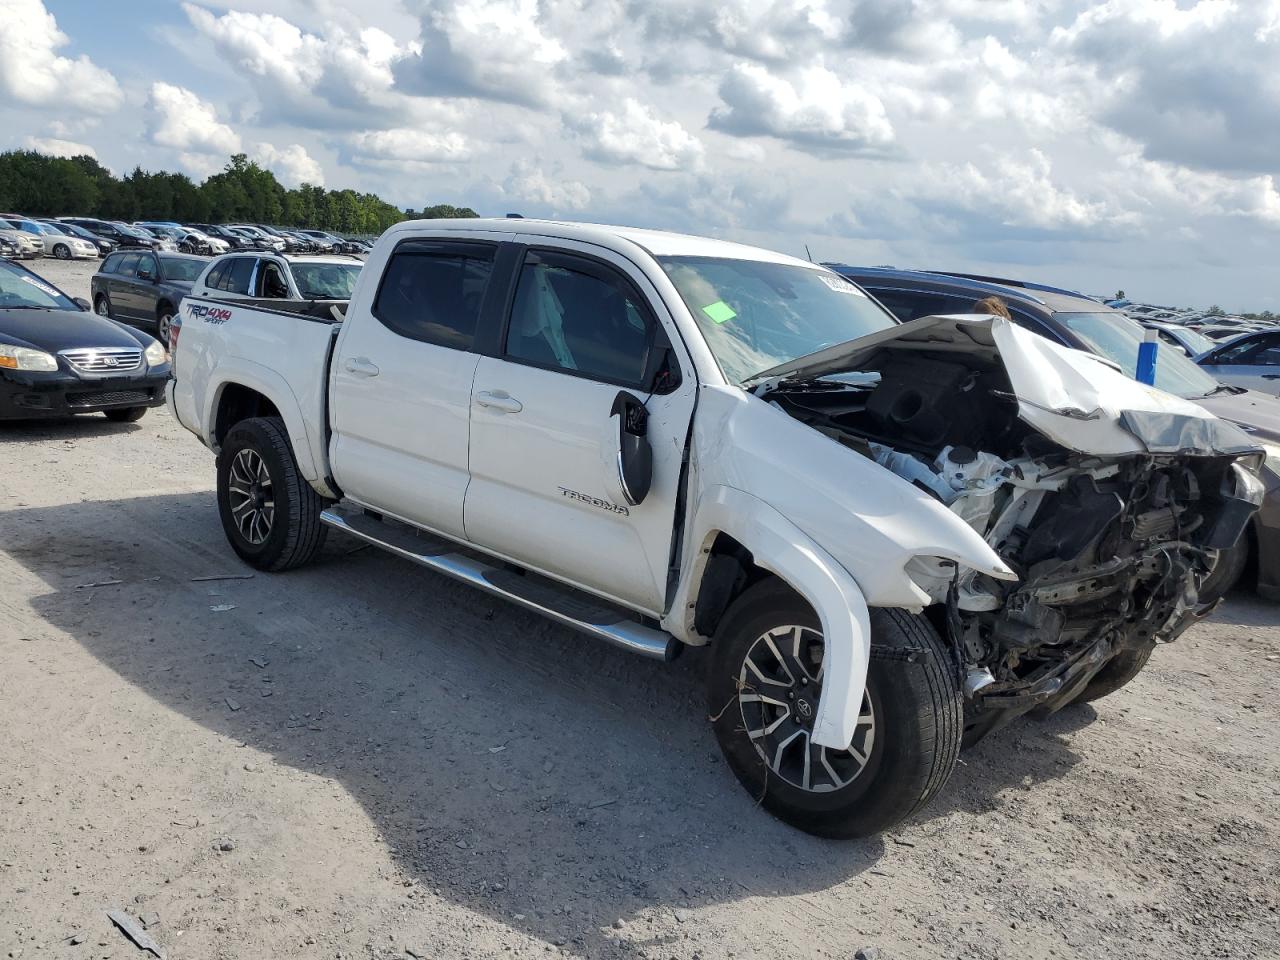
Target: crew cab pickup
[(894, 538)]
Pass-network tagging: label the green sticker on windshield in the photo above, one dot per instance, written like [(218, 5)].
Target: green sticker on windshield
[(719, 312)]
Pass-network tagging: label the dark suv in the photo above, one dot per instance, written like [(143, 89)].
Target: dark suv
[(1075, 320), (123, 237)]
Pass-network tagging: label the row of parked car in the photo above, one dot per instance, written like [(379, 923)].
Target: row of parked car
[(77, 238)]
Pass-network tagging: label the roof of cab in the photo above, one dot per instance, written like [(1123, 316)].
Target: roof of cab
[(658, 243)]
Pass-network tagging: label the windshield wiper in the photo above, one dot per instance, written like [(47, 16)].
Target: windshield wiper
[(1222, 388)]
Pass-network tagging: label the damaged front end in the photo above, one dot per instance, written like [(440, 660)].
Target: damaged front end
[(1109, 500)]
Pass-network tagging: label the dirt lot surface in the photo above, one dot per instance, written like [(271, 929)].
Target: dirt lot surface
[(362, 759)]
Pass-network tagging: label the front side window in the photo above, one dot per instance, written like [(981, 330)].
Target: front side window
[(579, 316), (271, 284), (756, 315), (433, 292), (147, 267)]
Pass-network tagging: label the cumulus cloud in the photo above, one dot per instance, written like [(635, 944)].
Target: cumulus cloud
[(408, 149), (340, 79), (32, 71), (635, 134), (54, 147), (180, 119), (529, 183), (292, 165), (489, 49), (815, 110)]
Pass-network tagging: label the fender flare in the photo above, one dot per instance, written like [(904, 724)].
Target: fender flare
[(778, 546), (245, 373)]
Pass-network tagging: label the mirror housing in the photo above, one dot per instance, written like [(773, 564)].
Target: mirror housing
[(82, 303), (635, 455)]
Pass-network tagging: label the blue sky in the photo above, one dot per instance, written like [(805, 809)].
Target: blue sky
[(1098, 145)]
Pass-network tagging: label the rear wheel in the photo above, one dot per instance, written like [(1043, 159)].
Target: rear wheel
[(270, 514), (101, 306), (164, 323), (765, 681), (125, 414)]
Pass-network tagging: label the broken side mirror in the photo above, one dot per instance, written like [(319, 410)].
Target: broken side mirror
[(635, 455)]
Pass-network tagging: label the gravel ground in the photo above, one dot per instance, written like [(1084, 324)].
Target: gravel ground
[(362, 759)]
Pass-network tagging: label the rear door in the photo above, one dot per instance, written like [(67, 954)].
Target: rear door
[(584, 326), (120, 287), (145, 287), (401, 381)]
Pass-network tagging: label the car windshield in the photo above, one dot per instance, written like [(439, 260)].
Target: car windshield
[(77, 231), (326, 281), (1196, 342), (1116, 337), (20, 290), (756, 315), (180, 268)]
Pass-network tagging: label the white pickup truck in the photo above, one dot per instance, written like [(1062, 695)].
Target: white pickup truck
[(894, 537)]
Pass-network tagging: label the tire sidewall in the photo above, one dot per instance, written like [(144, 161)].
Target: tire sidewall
[(62, 252), (250, 434), (100, 304)]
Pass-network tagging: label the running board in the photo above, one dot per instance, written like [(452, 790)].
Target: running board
[(529, 590)]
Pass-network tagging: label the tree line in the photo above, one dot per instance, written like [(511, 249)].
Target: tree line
[(43, 186)]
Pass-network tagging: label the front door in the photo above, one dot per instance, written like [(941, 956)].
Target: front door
[(401, 382), (583, 326), (1253, 363)]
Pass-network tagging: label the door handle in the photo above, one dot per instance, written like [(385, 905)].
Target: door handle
[(361, 367), (499, 400)]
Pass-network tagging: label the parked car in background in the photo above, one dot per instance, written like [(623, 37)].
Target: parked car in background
[(233, 240), (1067, 318), (101, 244), (266, 240), (187, 240), (57, 358), (163, 241), (1190, 341), (278, 277), (120, 234), (1249, 360), (327, 242), (57, 244), (144, 288), (9, 249), (29, 247)]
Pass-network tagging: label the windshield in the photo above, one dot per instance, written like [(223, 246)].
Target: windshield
[(1196, 342), (1116, 337), (77, 231), (756, 315), (326, 281), (179, 268), (20, 290)]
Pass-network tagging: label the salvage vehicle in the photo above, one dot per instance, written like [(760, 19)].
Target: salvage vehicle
[(138, 287), (57, 358), (1076, 321), (892, 536), (274, 276), (29, 247)]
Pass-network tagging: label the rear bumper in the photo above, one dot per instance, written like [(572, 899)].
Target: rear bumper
[(32, 396)]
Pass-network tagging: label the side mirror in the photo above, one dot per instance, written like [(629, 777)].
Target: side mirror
[(635, 456), (82, 303), (145, 275)]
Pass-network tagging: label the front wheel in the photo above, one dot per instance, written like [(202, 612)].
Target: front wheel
[(270, 514), (1117, 672), (62, 252), (763, 689)]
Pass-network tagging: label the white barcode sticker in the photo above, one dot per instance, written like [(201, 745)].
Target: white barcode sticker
[(840, 284)]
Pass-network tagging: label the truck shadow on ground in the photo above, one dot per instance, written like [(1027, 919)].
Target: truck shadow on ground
[(510, 764), (68, 428)]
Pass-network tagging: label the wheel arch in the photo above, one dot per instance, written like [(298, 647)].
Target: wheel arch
[(738, 540)]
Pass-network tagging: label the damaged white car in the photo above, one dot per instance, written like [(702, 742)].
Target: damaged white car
[(893, 537)]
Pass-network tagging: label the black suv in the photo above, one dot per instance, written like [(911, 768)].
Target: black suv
[(123, 237), (1074, 320)]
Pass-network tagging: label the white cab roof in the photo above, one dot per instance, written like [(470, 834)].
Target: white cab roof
[(657, 242)]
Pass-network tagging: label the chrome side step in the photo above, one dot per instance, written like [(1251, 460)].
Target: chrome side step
[(529, 590)]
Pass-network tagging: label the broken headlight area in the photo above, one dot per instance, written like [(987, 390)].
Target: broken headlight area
[(1110, 551)]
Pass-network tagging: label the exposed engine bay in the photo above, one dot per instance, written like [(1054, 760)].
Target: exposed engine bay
[(1111, 551)]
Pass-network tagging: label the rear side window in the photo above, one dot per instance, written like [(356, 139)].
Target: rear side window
[(128, 265), (579, 316), (214, 280), (238, 275), (433, 291), (112, 263)]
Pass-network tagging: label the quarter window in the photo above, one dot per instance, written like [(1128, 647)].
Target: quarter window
[(579, 316), (433, 292)]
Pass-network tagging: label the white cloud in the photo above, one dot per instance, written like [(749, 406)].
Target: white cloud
[(530, 184), (32, 72), (54, 147), (180, 119), (292, 165), (814, 110), (635, 134), (490, 49), (408, 149)]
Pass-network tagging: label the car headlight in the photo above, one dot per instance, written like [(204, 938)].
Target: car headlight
[(24, 358), (156, 354)]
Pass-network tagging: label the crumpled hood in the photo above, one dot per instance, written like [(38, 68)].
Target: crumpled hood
[(1070, 396)]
